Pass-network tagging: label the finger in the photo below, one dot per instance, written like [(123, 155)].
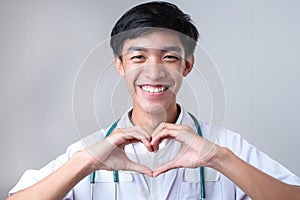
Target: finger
[(146, 141), (168, 126), (130, 141), (132, 135), (157, 140), (137, 137), (138, 129), (147, 145), (158, 129), (143, 131), (154, 143), (124, 135), (164, 133), (132, 166), (164, 168), (138, 133), (134, 140), (119, 137), (182, 133)]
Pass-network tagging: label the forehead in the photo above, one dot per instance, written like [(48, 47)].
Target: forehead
[(157, 40)]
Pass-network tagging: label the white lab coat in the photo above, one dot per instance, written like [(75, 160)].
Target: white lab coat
[(181, 184)]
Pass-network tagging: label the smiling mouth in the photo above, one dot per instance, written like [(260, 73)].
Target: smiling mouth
[(153, 88)]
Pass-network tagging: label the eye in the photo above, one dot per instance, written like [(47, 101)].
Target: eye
[(137, 58), (171, 58)]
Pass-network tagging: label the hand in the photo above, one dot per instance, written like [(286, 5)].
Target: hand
[(195, 151), (109, 153)]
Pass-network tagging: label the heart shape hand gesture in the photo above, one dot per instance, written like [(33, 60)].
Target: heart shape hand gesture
[(194, 151)]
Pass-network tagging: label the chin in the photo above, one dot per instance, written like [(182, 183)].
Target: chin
[(156, 108), (154, 105)]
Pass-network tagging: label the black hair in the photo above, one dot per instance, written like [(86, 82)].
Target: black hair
[(140, 20)]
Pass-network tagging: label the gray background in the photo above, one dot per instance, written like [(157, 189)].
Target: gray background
[(254, 43)]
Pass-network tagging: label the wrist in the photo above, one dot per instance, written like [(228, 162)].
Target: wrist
[(82, 161), (220, 159)]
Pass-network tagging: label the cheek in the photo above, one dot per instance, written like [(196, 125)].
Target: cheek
[(178, 69), (177, 80), (130, 82), (131, 75), (182, 68)]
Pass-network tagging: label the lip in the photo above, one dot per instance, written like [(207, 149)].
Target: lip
[(153, 90)]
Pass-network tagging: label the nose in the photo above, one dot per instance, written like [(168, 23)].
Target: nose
[(154, 69)]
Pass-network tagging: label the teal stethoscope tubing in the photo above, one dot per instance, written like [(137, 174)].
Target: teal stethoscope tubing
[(116, 173)]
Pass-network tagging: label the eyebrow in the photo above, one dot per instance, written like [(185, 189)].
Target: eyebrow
[(173, 48), (135, 48), (164, 49)]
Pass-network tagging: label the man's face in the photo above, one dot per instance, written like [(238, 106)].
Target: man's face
[(153, 66)]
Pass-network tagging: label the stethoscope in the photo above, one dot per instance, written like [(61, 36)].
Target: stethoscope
[(116, 173)]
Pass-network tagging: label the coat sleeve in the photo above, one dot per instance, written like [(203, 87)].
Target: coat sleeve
[(32, 176), (258, 159)]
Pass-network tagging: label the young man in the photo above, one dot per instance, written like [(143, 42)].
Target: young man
[(153, 44)]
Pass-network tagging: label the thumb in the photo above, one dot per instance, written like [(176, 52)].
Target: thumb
[(133, 166), (164, 168)]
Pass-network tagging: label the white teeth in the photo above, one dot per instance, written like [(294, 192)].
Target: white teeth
[(151, 89)]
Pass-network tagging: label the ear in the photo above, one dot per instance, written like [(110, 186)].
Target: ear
[(189, 63), (119, 66)]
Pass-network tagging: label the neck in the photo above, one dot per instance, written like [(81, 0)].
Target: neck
[(151, 120)]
